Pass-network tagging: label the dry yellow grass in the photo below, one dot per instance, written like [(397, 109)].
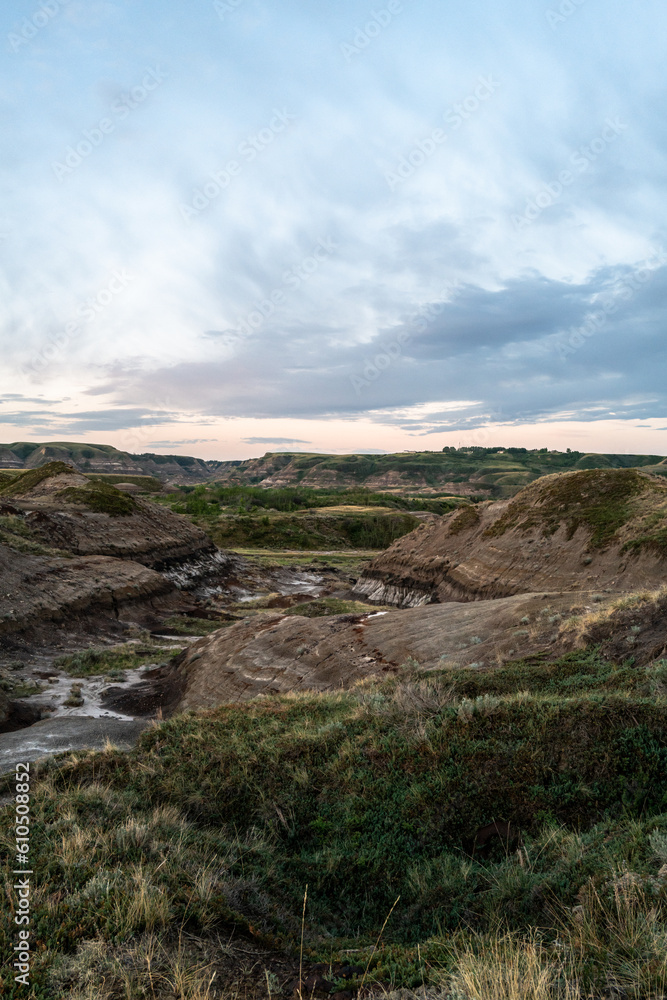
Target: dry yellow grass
[(506, 968), (147, 968), (578, 626)]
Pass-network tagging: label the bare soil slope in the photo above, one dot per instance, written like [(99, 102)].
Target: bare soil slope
[(601, 529), (70, 546), (68, 511), (37, 588), (274, 654)]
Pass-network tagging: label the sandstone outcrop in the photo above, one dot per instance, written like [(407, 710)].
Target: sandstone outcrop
[(274, 654), (602, 529)]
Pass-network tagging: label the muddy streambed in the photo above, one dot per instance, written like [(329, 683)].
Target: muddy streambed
[(56, 711)]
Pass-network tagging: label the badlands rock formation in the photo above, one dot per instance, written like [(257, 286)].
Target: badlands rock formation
[(69, 545), (275, 654), (42, 588), (487, 584), (69, 511), (603, 529)]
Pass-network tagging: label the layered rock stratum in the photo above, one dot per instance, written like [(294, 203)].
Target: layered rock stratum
[(68, 511), (479, 587), (69, 545), (603, 529)]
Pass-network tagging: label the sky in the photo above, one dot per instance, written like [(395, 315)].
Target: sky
[(241, 226)]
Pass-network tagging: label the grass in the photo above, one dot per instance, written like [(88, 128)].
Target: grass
[(311, 530), (102, 498), (331, 606), (290, 499), (148, 967), (94, 661), (19, 688), (220, 819), (600, 500), (149, 484), (652, 536), (187, 625), (26, 481), (347, 561), (576, 673), (466, 519), (302, 518), (492, 472), (17, 535), (504, 967)]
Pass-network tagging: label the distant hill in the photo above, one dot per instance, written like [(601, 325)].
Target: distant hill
[(107, 460), (485, 473)]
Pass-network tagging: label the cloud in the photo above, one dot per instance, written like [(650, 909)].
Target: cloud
[(484, 351), (23, 418), (17, 397), (172, 444), (273, 440), (83, 422), (431, 294)]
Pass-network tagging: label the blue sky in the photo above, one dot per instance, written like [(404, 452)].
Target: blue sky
[(239, 226)]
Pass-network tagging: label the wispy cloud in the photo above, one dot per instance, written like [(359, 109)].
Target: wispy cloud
[(234, 313)]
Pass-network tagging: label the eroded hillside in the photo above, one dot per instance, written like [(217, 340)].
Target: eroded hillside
[(69, 545), (602, 529)]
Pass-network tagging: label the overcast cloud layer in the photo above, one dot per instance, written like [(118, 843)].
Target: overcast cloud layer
[(228, 226)]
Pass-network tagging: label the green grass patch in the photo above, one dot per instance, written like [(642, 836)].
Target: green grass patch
[(149, 484), (311, 531), (466, 519), (350, 562), (652, 535), (17, 535), (219, 820), (185, 625), (20, 688), (331, 606), (493, 472), (576, 673), (600, 500), (101, 498), (33, 477), (93, 661)]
